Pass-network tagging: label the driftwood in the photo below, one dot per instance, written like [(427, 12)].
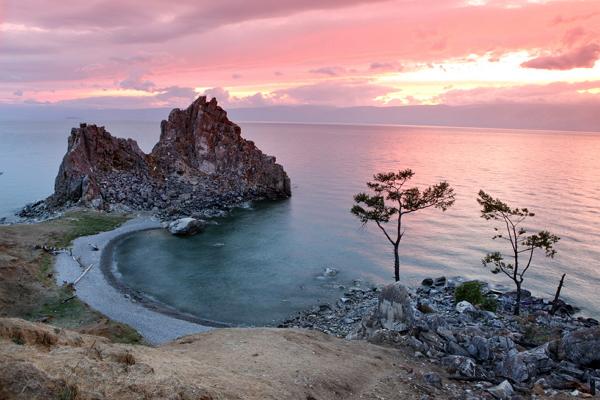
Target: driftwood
[(68, 299), (76, 281), (78, 261), (557, 295)]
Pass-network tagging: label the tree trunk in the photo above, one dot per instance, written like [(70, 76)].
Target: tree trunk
[(396, 264), (557, 295), (517, 310)]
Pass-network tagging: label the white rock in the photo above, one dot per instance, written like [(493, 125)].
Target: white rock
[(463, 306), (186, 226), (330, 272)]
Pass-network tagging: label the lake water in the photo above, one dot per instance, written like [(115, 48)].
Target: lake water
[(263, 263)]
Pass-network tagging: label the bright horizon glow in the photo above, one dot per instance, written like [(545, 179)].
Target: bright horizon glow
[(333, 52)]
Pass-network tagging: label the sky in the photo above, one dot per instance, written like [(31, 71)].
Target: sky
[(128, 54)]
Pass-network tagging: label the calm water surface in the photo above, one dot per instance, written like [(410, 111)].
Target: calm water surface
[(263, 263)]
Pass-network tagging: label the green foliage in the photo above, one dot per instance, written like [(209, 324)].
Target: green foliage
[(390, 186), (471, 292), (489, 304), (45, 269), (513, 232), (389, 198)]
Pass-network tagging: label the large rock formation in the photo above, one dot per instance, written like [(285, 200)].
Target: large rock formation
[(200, 162)]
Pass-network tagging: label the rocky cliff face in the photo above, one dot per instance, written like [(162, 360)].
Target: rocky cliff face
[(200, 162)]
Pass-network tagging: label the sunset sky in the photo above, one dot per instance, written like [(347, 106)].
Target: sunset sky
[(104, 53)]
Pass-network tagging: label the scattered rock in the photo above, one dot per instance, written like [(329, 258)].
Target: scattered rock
[(427, 282), (441, 281), (503, 391), (433, 379)]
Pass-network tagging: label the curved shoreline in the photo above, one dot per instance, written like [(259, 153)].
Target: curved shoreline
[(155, 323), (107, 265)]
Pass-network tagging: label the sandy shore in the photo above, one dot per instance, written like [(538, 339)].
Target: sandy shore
[(96, 290)]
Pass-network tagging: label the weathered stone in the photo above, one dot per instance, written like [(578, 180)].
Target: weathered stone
[(464, 306), (441, 281), (394, 310), (580, 347), (433, 379), (560, 381), (427, 282), (479, 348), (198, 144), (526, 365), (463, 366), (186, 227), (456, 349), (503, 391)]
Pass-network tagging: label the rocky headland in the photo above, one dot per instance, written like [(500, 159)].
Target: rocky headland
[(200, 165)]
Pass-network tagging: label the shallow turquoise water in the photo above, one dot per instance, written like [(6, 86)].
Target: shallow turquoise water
[(262, 264)]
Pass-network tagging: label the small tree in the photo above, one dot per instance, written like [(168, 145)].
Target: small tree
[(389, 187), (520, 241)]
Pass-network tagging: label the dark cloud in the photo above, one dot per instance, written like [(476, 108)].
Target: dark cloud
[(581, 57), (329, 71), (156, 20)]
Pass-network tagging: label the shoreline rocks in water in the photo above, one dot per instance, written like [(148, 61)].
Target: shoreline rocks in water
[(185, 226), (200, 165), (536, 351)]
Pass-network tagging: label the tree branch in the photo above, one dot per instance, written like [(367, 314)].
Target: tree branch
[(384, 231)]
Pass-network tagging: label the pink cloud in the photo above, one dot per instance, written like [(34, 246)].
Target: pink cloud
[(581, 57), (75, 47), (553, 93)]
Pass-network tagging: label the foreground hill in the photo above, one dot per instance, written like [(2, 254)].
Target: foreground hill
[(43, 362)]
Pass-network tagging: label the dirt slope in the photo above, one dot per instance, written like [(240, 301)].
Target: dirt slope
[(38, 361)]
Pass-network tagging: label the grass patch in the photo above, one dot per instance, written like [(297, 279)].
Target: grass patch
[(45, 269), (85, 223), (60, 311), (123, 333)]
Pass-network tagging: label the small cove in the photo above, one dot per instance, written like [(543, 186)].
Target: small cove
[(260, 265)]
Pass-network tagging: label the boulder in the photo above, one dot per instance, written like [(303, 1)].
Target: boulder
[(460, 365), (427, 282), (441, 281), (394, 312), (479, 348), (186, 226), (464, 306), (526, 365), (503, 391), (579, 347)]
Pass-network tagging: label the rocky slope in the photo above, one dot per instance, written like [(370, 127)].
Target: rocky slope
[(201, 162), (537, 353)]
